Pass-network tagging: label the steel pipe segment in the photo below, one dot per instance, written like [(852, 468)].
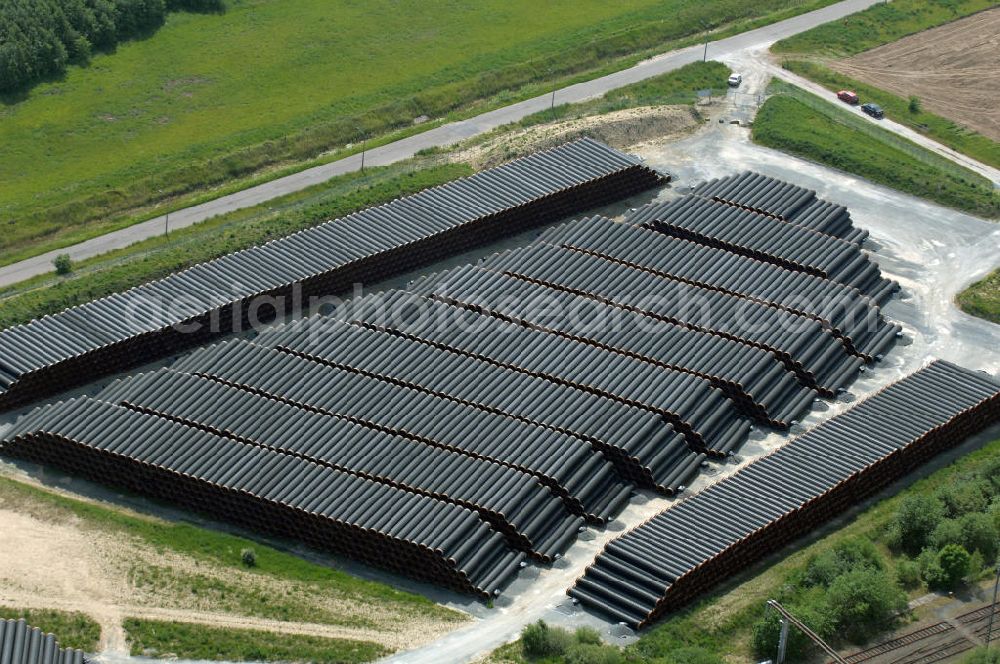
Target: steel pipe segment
[(754, 378), (816, 357), (845, 311), (562, 463), (690, 403), (624, 434), (761, 237), (20, 643)]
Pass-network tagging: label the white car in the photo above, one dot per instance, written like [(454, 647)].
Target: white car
[(735, 80)]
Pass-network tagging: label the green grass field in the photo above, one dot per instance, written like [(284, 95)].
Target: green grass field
[(880, 24), (800, 123), (184, 640), (71, 629), (983, 298), (209, 98)]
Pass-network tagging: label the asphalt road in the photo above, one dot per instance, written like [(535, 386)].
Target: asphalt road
[(437, 137)]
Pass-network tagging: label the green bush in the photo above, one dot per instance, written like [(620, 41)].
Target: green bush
[(962, 497), (954, 563), (248, 557), (949, 531), (979, 534), (982, 656), (864, 602), (848, 555), (908, 573), (916, 520), (587, 635), (540, 640), (63, 264), (914, 105)]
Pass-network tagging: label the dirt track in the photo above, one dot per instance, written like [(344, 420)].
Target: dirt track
[(954, 70), (43, 565)]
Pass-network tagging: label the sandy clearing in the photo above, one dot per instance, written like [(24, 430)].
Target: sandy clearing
[(954, 69), (49, 560), (619, 129)]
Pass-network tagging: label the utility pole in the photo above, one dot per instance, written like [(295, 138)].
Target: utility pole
[(166, 218), (552, 105), (787, 619), (782, 641), (363, 139), (704, 56), (993, 608)]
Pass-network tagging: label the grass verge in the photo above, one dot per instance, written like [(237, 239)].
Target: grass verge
[(154, 638), (983, 298), (166, 119), (941, 129), (798, 122), (221, 550), (71, 629), (157, 257)]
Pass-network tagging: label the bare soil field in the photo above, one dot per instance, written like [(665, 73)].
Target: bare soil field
[(954, 70), (50, 559)]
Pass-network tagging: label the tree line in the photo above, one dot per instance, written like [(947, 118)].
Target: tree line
[(40, 38)]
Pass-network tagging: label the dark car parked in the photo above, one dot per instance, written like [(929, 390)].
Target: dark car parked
[(873, 110)]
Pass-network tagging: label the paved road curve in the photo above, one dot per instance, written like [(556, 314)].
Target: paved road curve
[(437, 137)]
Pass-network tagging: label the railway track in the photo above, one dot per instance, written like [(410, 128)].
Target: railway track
[(934, 643)]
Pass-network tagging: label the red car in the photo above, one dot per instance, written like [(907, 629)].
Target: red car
[(848, 96)]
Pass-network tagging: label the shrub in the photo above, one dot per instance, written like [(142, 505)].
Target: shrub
[(977, 564), (990, 472), (248, 557), (916, 519), (587, 635), (982, 656), (540, 640), (63, 264), (848, 555), (954, 562), (908, 573), (864, 602), (964, 496), (978, 533), (949, 531), (914, 105)]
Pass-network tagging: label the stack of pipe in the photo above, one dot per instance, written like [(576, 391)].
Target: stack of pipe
[(685, 550), (20, 643), (81, 344)]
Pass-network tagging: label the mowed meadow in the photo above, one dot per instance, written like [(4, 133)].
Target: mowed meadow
[(211, 97)]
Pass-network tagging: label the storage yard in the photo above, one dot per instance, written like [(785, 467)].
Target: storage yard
[(952, 69), (570, 370)]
